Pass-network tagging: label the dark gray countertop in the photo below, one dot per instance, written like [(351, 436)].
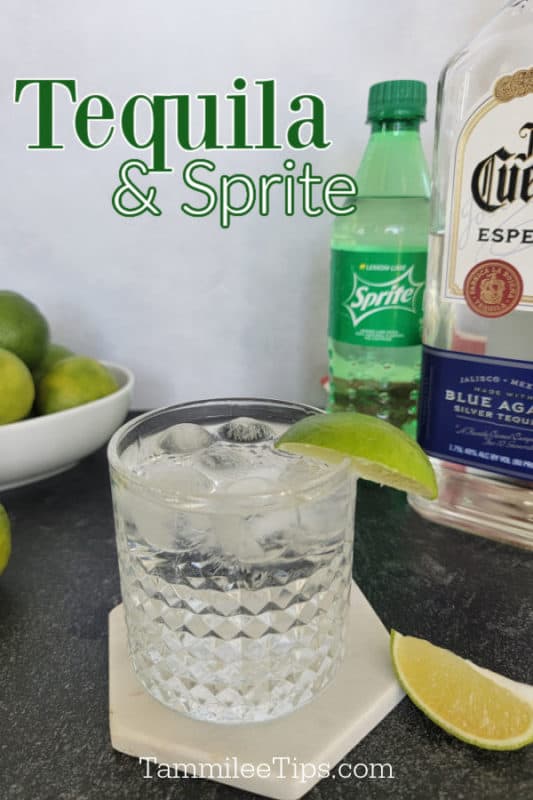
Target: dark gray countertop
[(459, 591)]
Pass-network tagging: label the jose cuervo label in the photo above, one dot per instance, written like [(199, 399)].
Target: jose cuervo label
[(477, 409), (490, 217)]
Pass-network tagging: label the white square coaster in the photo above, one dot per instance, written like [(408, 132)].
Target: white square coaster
[(363, 692)]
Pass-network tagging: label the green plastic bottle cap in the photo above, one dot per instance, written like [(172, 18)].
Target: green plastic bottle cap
[(397, 100)]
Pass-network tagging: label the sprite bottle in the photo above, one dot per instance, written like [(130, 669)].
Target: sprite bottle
[(378, 265)]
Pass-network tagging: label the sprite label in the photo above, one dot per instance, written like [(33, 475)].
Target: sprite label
[(376, 297)]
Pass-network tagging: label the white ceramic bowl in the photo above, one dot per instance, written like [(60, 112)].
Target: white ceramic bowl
[(36, 448)]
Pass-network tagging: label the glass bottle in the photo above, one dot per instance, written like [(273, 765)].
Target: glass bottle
[(476, 408)]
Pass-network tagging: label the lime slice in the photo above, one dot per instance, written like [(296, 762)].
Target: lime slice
[(378, 451), (474, 704)]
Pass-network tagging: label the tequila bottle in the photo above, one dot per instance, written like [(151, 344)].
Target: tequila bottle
[(476, 406)]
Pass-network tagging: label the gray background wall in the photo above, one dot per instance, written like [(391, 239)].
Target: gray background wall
[(195, 310)]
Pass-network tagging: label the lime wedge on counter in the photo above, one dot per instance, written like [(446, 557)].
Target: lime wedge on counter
[(378, 451), (473, 704)]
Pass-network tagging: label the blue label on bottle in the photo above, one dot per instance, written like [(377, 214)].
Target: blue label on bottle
[(478, 411)]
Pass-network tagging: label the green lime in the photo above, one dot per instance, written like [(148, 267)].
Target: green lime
[(72, 382), (476, 705), (17, 389), (23, 329), (5, 539), (378, 451), (53, 354)]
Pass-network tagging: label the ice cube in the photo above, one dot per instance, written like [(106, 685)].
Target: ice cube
[(301, 472), (184, 438), (144, 522), (274, 530), (221, 459), (234, 541), (246, 430), (251, 486), (175, 479)]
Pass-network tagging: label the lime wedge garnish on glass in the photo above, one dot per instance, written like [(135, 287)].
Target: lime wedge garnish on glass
[(378, 451), (474, 704)]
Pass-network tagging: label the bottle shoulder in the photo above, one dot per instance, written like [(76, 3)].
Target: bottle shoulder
[(502, 46), (393, 165), (500, 49), (383, 223)]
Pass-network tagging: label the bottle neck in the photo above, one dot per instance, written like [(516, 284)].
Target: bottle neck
[(394, 164), (395, 125)]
